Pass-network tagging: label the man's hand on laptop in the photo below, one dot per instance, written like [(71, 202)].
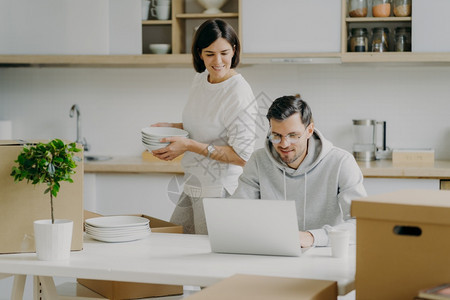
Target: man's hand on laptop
[(306, 239)]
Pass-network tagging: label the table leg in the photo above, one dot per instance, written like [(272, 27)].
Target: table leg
[(45, 286), (18, 287), (2, 275)]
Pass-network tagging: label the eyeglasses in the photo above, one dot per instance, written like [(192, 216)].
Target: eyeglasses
[(292, 138)]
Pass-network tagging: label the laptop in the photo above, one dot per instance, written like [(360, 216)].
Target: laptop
[(248, 226)]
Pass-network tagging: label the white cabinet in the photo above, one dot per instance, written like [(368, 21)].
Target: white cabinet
[(291, 26), (70, 27), (430, 26), (153, 194)]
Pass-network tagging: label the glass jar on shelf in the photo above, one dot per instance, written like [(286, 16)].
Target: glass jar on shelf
[(402, 39), (380, 39), (357, 8), (381, 8), (402, 8), (358, 40)]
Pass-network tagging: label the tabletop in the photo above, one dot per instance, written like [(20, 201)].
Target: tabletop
[(181, 259)]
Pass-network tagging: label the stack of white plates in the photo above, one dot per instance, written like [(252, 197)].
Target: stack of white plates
[(151, 136), (118, 228)]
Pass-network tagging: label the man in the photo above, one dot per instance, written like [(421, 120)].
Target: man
[(298, 163)]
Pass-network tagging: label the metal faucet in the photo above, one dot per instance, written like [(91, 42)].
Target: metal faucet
[(79, 140)]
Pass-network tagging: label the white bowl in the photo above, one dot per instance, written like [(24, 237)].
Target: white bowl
[(212, 6), (155, 144), (154, 132), (151, 148), (159, 48)]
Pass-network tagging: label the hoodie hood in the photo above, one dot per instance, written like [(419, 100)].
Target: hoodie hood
[(318, 148)]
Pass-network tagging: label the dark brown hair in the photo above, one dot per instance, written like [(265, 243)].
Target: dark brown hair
[(284, 107), (208, 33)]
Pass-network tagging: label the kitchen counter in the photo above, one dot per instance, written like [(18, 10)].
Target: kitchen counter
[(386, 169), (132, 164), (373, 169)]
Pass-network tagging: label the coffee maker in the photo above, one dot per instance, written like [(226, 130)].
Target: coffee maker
[(365, 136)]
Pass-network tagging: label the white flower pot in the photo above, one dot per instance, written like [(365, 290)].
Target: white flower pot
[(53, 241)]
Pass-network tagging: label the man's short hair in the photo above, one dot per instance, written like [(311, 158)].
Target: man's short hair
[(284, 107)]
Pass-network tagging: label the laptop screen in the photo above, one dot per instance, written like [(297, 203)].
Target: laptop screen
[(249, 226)]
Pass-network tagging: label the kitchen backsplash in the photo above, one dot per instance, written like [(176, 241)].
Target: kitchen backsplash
[(116, 103)]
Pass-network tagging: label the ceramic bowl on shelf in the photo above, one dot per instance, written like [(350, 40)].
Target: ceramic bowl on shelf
[(212, 6), (159, 48)]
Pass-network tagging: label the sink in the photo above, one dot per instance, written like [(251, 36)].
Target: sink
[(97, 157)]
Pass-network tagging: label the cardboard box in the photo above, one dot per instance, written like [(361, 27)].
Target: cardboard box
[(22, 203), (403, 243), (132, 290), (244, 287), (418, 157)]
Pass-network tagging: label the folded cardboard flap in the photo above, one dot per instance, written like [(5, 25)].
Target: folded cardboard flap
[(22, 203), (131, 290), (426, 206), (118, 290), (403, 243), (243, 287)]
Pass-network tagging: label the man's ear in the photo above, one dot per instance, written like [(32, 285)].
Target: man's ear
[(310, 129)]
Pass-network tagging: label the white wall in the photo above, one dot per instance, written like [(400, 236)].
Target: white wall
[(116, 103)]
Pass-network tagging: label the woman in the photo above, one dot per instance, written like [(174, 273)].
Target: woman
[(220, 118)]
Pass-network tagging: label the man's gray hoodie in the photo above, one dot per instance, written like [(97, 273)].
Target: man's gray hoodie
[(323, 186)]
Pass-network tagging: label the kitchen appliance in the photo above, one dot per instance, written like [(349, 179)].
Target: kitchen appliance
[(365, 136)]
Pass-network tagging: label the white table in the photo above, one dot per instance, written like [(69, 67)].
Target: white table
[(179, 259)]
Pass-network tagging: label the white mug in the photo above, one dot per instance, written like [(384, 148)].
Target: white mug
[(339, 240), (161, 2), (161, 12), (145, 9)]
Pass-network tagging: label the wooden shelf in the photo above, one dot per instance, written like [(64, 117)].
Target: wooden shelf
[(207, 16), (392, 57), (157, 22), (174, 31), (347, 23), (175, 60), (95, 60), (372, 19)]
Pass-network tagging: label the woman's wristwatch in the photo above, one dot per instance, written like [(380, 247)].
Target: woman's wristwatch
[(210, 149)]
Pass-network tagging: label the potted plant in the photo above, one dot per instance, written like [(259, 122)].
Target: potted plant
[(49, 163)]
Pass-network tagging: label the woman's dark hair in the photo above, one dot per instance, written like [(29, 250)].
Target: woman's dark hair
[(208, 33), (284, 107)]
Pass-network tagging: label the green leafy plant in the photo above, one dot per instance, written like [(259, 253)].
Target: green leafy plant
[(48, 163)]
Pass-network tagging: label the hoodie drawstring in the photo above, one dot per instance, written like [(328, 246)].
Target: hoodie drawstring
[(304, 196), (304, 205)]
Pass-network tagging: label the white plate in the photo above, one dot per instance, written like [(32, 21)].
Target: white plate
[(163, 131), (156, 140), (119, 239), (155, 143), (116, 230), (117, 221), (113, 235)]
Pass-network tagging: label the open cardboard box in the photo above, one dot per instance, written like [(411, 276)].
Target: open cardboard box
[(403, 243), (22, 203), (132, 290), (244, 287)]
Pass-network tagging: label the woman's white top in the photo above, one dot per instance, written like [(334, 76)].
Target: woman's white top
[(219, 114)]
